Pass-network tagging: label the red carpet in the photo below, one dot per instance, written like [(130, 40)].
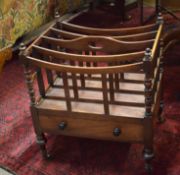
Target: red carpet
[(75, 156)]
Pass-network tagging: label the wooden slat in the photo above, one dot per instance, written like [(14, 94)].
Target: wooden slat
[(66, 34), (82, 78), (40, 82), (74, 84), (137, 37), (111, 86), (105, 94), (106, 32), (49, 74), (132, 37), (96, 85), (75, 89), (66, 91), (95, 64), (122, 76), (98, 70), (95, 58), (108, 45), (93, 108), (117, 81)]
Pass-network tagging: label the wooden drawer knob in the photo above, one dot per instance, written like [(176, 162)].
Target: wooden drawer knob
[(117, 132), (62, 125)]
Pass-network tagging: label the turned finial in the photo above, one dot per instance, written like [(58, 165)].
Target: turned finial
[(23, 52), (56, 14), (22, 47), (147, 55), (160, 19)]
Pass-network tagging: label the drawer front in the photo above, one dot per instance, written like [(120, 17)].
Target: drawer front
[(97, 129)]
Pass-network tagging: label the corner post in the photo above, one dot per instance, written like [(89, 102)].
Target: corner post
[(148, 124), (41, 140), (59, 24)]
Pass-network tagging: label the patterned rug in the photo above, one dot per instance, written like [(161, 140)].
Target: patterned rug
[(73, 156)]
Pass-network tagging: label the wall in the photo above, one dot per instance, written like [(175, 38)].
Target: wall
[(18, 17)]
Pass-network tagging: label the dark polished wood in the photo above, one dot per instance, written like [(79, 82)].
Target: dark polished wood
[(98, 87)]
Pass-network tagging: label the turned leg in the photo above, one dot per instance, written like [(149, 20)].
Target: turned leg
[(40, 137), (41, 141), (148, 117), (148, 157), (148, 153)]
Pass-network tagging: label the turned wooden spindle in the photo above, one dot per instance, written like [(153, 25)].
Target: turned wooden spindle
[(40, 137), (148, 82), (28, 75)]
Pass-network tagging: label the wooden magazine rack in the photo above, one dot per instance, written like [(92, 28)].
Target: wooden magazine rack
[(101, 83)]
